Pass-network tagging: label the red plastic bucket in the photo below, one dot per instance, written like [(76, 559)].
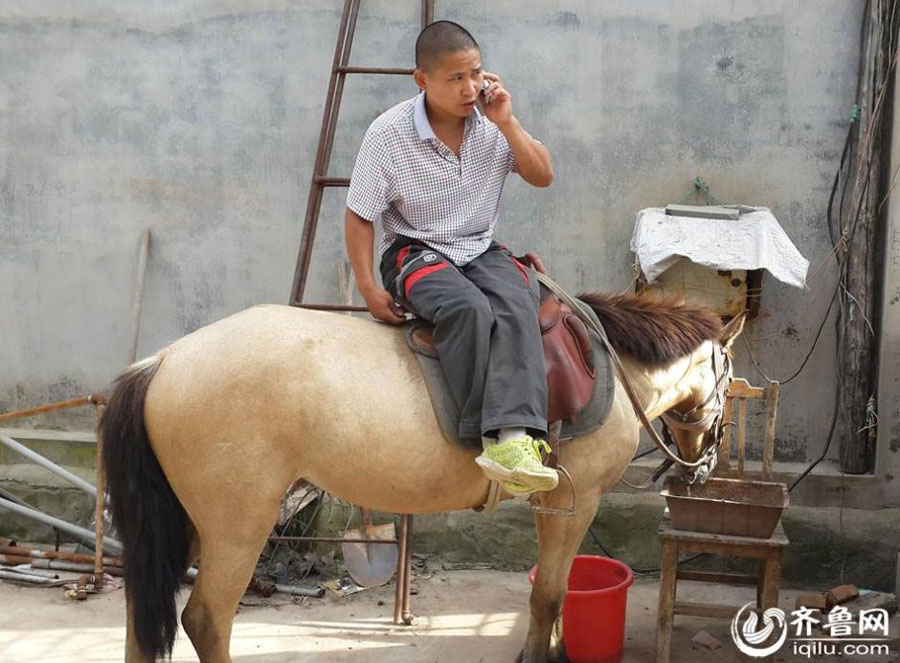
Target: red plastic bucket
[(594, 609)]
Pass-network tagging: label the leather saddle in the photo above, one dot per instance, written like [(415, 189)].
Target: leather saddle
[(571, 373)]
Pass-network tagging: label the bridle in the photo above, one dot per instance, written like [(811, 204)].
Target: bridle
[(712, 422), (692, 471)]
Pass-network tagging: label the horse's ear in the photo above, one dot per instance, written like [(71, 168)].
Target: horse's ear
[(733, 329)]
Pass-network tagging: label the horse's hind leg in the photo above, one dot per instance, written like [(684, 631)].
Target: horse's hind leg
[(558, 540), (133, 653), (228, 558)]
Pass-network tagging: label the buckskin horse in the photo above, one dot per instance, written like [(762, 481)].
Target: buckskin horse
[(202, 439)]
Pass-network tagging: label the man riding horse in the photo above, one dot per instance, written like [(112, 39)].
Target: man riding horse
[(431, 171), (202, 439)]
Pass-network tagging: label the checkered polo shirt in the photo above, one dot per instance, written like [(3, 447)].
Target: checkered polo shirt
[(415, 186)]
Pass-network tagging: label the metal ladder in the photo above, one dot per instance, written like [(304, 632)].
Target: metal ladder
[(320, 178), (320, 181)]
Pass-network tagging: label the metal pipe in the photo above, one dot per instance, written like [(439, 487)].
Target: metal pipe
[(407, 573), (22, 551), (400, 583), (331, 539), (27, 568), (59, 565), (53, 467), (139, 293), (316, 593), (100, 502), (23, 577), (75, 531), (8, 495), (61, 405)]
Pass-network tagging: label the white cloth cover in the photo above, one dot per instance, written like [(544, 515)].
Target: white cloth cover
[(755, 240)]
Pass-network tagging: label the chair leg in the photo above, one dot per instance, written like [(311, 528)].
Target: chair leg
[(665, 615), (772, 579), (760, 583)]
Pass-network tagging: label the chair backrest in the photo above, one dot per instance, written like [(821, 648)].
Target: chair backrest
[(740, 390)]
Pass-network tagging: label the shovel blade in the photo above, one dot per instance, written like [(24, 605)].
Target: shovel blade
[(371, 564)]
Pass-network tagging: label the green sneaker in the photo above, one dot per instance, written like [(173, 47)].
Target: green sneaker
[(517, 464)]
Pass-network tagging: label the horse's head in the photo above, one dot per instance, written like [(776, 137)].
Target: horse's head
[(696, 423)]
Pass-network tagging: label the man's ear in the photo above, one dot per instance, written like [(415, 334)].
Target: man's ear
[(733, 329), (419, 78)]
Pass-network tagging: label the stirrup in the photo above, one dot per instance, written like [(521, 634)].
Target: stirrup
[(552, 511)]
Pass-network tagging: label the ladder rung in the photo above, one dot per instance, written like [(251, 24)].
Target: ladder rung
[(373, 70), (329, 307), (332, 181)]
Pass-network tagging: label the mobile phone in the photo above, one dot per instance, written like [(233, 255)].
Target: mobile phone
[(481, 101), (485, 84)]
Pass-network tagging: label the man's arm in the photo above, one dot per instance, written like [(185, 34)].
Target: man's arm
[(359, 236), (534, 163)]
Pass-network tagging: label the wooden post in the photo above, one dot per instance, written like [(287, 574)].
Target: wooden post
[(859, 262)]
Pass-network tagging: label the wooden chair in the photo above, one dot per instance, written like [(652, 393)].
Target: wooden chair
[(767, 551), (740, 390)]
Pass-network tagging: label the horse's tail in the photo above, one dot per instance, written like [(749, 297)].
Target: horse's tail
[(151, 523)]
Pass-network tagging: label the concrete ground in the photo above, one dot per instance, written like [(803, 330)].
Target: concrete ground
[(462, 617)]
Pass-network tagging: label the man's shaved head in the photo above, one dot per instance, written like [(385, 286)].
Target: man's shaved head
[(440, 38)]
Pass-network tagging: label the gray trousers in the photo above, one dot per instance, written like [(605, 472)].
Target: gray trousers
[(485, 330)]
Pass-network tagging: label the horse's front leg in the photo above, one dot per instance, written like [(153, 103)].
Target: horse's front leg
[(559, 538)]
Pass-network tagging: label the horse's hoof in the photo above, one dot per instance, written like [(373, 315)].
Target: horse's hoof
[(558, 654), (408, 618)]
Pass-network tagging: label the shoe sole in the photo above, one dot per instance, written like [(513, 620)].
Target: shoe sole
[(528, 480), (516, 490)]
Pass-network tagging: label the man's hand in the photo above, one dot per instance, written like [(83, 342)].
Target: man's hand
[(497, 101), (381, 305), (360, 238)]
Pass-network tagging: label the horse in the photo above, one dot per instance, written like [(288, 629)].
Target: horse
[(202, 439)]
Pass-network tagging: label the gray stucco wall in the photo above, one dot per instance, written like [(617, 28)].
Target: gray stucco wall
[(199, 120)]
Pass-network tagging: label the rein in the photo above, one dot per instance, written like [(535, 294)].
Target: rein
[(696, 469)]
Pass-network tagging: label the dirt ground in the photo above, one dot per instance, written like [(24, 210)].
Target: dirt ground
[(462, 617)]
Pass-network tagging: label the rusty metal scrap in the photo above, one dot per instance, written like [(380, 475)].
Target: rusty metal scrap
[(23, 551), (92, 399), (79, 533)]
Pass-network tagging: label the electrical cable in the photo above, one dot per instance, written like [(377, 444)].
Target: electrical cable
[(638, 570)]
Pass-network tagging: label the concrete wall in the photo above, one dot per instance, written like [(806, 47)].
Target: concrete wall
[(199, 120)]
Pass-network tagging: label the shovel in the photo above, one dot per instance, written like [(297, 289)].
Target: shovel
[(370, 564)]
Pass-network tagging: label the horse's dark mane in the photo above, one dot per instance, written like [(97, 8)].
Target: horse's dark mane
[(652, 330)]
